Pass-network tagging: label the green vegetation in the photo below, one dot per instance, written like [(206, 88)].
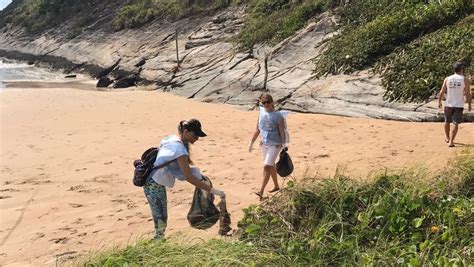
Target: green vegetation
[(395, 219), (360, 47), (139, 12), (371, 30), (415, 71), (406, 219), (186, 253), (38, 15), (272, 21)]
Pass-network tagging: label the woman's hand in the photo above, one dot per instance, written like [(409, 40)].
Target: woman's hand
[(217, 192)]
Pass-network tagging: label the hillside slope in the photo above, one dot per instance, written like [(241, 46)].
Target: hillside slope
[(212, 68)]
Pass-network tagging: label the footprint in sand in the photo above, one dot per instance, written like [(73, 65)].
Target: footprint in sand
[(74, 205), (107, 178), (9, 190), (60, 240)]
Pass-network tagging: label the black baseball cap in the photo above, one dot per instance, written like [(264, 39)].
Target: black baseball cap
[(194, 126)]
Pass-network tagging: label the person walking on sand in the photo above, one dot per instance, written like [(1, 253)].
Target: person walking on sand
[(271, 125), (175, 150), (456, 87)]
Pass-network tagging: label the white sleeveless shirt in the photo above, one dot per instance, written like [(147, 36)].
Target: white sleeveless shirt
[(455, 91)]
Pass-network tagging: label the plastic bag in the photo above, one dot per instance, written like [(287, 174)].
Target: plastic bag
[(284, 166), (203, 213)]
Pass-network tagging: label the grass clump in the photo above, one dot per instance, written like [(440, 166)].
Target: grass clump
[(38, 15), (360, 47), (139, 12), (397, 219), (415, 71), (212, 253), (272, 21)]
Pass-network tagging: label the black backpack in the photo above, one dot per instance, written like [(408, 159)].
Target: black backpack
[(144, 166)]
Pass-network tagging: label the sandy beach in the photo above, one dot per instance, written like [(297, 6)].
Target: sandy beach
[(66, 163)]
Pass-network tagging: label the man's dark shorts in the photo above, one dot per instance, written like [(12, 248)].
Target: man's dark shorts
[(453, 115)]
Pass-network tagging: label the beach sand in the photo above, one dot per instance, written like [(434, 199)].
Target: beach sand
[(66, 163)]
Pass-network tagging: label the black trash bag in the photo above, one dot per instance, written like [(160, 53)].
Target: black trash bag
[(224, 219), (203, 213), (284, 166)]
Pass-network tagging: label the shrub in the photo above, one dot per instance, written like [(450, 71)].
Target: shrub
[(272, 21), (38, 15), (358, 48), (139, 12), (185, 253), (416, 71), (398, 218)]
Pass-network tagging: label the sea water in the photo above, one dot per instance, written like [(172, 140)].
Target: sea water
[(16, 71)]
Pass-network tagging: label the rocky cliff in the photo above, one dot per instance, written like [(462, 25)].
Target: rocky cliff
[(211, 69)]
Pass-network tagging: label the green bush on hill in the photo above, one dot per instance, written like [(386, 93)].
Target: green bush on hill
[(357, 48), (139, 12), (38, 15), (393, 220), (273, 21), (415, 72), (359, 12)]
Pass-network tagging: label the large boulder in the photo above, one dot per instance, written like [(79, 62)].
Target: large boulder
[(128, 81), (104, 82)]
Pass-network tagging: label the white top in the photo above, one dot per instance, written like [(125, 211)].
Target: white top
[(171, 147), (455, 91)]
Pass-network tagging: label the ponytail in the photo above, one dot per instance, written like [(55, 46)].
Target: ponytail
[(181, 126)]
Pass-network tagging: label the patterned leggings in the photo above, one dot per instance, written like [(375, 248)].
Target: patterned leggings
[(156, 196)]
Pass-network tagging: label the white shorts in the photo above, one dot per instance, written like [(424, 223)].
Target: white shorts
[(269, 154)]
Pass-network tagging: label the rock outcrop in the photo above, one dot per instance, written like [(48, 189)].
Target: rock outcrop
[(212, 69)]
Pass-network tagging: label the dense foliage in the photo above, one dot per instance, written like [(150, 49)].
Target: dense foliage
[(140, 12), (272, 21), (186, 253), (394, 220), (415, 71), (38, 15), (360, 47)]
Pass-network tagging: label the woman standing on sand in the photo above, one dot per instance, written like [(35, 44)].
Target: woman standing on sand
[(271, 125), (174, 152)]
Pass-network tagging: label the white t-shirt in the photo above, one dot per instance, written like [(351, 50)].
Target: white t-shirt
[(171, 148), (455, 91)]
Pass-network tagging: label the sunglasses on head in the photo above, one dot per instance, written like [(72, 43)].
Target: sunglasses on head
[(266, 102)]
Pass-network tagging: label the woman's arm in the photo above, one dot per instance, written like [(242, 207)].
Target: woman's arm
[(255, 134), (183, 163), (281, 130), (254, 137)]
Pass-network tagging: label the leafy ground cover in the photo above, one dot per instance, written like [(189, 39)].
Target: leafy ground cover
[(139, 12), (416, 71)]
